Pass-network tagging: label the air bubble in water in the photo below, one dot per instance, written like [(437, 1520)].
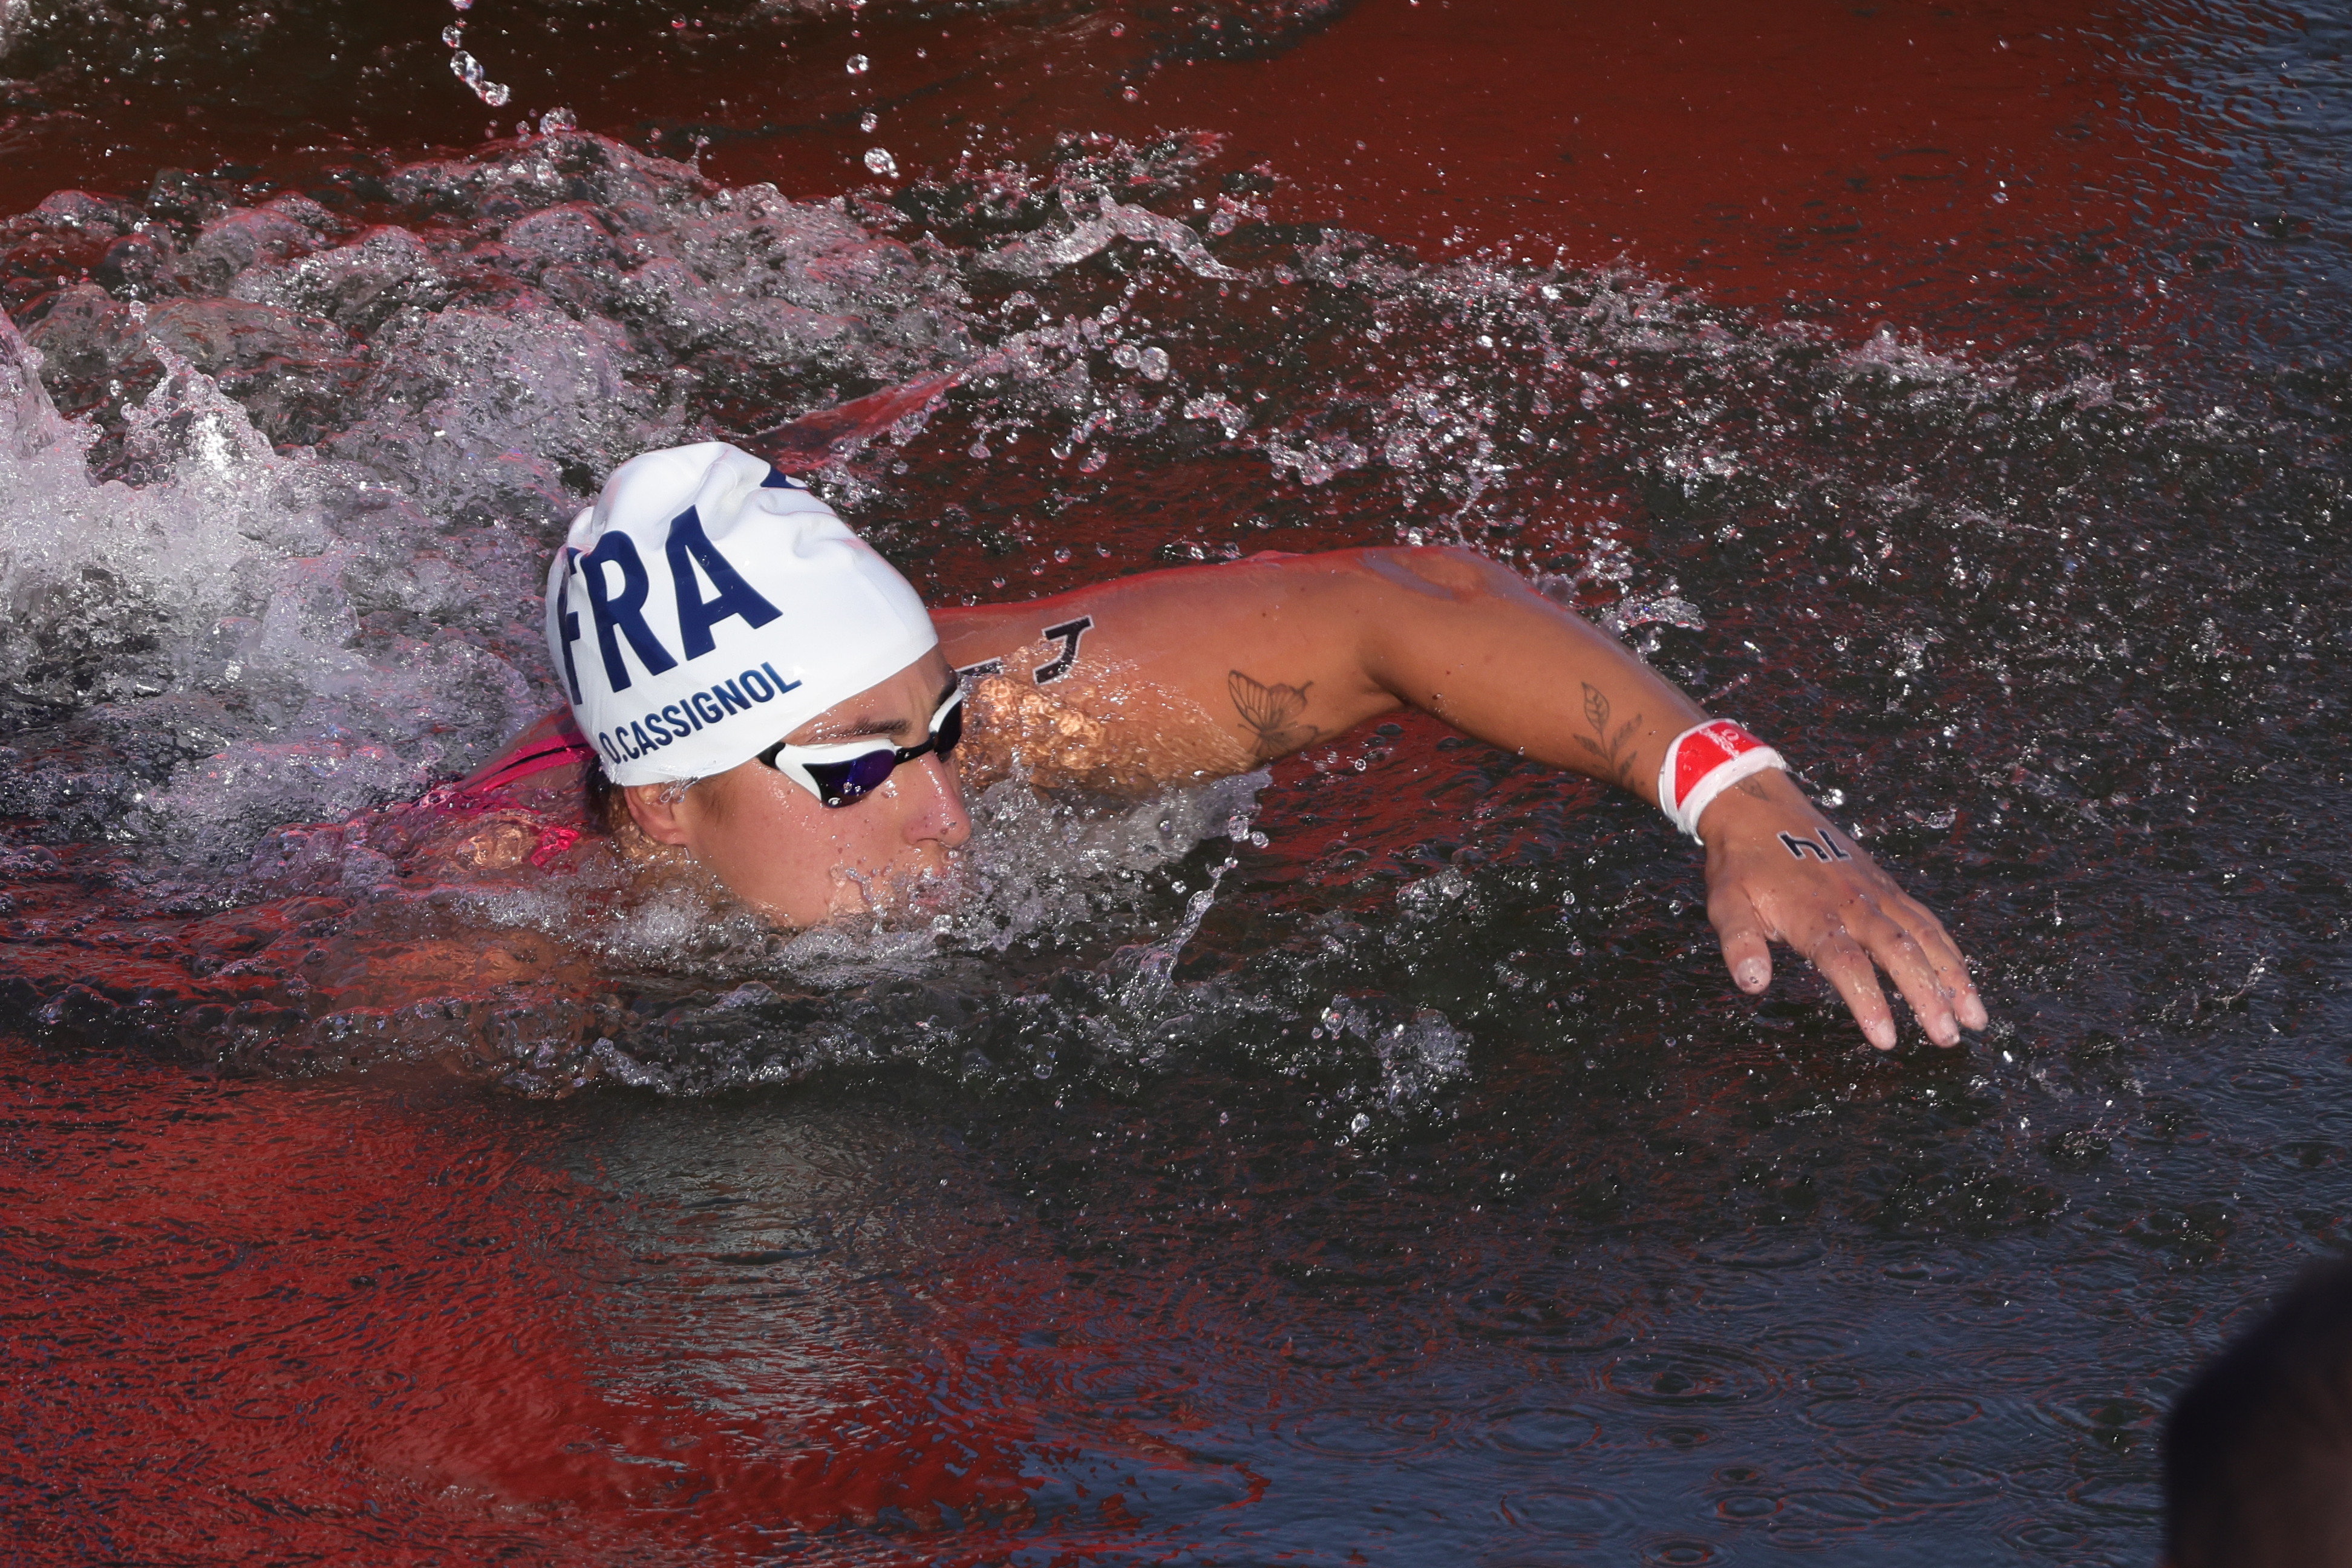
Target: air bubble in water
[(555, 120), (868, 120), (1129, 94), (1153, 362), (878, 159), (857, 63)]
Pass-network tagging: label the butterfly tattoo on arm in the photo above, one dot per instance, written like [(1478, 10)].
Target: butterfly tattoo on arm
[(1271, 715)]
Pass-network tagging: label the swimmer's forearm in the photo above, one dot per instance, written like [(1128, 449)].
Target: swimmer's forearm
[(1469, 641)]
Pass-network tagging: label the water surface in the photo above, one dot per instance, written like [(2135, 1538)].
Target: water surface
[(1371, 1162)]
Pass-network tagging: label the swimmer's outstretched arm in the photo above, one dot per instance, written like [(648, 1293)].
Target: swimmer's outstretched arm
[(1250, 661)]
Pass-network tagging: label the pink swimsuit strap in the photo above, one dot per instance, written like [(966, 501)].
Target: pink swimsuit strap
[(559, 752)]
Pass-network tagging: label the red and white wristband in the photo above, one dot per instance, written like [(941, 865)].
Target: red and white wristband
[(1702, 762)]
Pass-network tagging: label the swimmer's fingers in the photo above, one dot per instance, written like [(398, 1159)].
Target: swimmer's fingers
[(1907, 963), (1843, 948), (1943, 955), (1847, 933), (1746, 939), (1841, 960), (1778, 873)]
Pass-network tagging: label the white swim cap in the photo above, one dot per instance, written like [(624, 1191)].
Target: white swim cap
[(707, 606)]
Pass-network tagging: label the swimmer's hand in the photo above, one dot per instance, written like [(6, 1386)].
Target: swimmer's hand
[(1778, 871)]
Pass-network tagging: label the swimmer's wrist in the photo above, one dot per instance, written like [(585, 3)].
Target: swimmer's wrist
[(1759, 806), (1707, 762)]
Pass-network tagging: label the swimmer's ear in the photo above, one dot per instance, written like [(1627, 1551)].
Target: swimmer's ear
[(654, 809)]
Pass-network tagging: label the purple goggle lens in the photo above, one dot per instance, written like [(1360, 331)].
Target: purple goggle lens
[(838, 775)]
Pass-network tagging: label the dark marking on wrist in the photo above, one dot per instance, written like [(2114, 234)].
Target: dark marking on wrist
[(1272, 715)]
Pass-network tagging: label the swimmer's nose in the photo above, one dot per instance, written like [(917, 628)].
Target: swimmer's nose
[(936, 811)]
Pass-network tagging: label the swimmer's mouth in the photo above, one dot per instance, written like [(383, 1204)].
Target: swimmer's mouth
[(910, 896)]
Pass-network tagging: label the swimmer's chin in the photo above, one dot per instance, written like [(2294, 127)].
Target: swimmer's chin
[(905, 896), (901, 898)]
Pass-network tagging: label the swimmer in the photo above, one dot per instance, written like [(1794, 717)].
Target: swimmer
[(756, 695)]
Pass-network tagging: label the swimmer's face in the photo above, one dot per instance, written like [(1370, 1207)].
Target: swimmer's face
[(799, 862)]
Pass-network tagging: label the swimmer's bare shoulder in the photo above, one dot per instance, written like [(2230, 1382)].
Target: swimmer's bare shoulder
[(1165, 677)]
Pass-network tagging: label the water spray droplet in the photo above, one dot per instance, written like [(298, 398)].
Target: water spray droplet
[(857, 63), (878, 159), (868, 120), (468, 70)]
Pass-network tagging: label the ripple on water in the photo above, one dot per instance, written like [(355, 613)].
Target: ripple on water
[(2017, 1365), (2134, 1496), (1584, 1515), (1763, 1249), (1926, 1484), (1803, 1347), (1834, 1381), (1540, 1430), (2117, 1419), (1841, 1413), (2038, 1536), (1695, 1376), (1682, 1434), (1928, 1271), (1935, 1412), (1822, 1514), (1745, 1505), (1348, 1432), (1323, 1351), (1550, 1325)]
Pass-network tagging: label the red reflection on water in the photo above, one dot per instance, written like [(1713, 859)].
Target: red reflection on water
[(258, 1320), (1760, 149), (1859, 150)]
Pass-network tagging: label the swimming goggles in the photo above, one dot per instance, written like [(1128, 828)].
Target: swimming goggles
[(840, 775)]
